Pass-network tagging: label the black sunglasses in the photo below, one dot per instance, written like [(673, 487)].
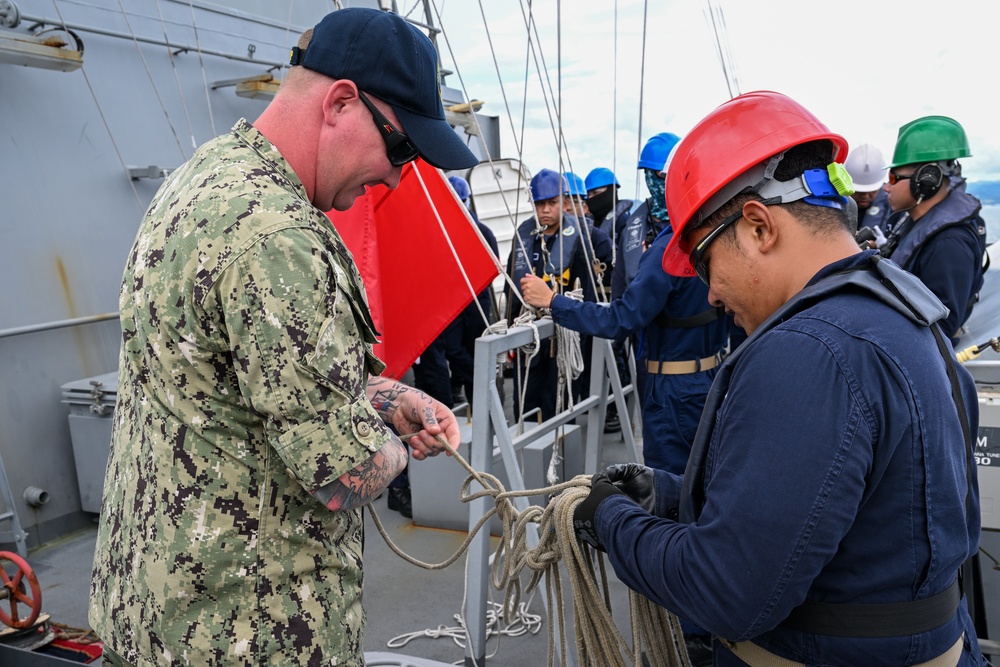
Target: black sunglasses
[(700, 267), (398, 147), (896, 178)]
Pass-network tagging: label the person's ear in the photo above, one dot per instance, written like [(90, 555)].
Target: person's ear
[(338, 100), (762, 225)]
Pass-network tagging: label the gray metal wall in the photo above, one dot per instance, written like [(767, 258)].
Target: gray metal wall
[(68, 211)]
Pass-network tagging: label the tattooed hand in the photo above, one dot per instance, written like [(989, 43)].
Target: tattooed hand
[(417, 417)]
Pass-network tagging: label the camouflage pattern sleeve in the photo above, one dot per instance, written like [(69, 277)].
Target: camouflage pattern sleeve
[(300, 348)]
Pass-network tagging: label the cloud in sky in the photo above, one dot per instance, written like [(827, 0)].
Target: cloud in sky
[(864, 67)]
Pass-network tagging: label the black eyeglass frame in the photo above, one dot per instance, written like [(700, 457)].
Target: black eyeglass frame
[(700, 267), (896, 178), (399, 148)]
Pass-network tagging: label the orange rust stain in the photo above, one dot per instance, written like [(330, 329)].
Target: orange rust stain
[(78, 335), (67, 292)]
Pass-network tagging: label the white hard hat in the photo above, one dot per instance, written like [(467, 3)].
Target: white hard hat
[(866, 166)]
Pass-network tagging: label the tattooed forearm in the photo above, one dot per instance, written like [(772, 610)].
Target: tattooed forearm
[(362, 484)]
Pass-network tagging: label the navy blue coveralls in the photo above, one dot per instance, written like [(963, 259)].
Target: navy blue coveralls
[(830, 467), (877, 213), (671, 402), (945, 248), (569, 260)]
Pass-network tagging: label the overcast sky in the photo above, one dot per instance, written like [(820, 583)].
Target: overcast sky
[(865, 67)]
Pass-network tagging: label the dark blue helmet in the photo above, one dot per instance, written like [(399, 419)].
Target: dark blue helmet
[(548, 184), (461, 187)]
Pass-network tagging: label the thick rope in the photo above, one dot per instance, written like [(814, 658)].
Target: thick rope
[(569, 363), (569, 356), (529, 351), (657, 640)]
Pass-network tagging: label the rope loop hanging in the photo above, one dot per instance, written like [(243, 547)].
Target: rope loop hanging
[(656, 638)]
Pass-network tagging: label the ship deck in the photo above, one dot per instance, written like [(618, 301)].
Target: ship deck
[(412, 612)]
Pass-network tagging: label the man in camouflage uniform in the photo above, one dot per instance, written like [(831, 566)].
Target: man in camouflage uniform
[(249, 430)]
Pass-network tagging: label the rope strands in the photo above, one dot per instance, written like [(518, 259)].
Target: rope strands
[(498, 624), (524, 319), (656, 639)]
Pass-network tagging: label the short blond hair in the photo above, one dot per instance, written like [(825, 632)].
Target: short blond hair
[(299, 77)]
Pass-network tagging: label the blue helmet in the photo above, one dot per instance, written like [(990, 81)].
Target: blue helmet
[(548, 184), (576, 186), (656, 151), (461, 187), (599, 177)]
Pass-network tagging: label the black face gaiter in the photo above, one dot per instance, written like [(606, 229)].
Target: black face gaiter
[(600, 204)]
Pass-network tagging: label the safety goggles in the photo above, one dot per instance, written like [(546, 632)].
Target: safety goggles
[(896, 178), (696, 256), (398, 147)]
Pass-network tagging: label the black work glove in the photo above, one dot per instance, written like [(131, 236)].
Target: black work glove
[(636, 482), (583, 516)]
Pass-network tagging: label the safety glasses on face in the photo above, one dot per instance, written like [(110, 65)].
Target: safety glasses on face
[(398, 147), (696, 256), (896, 178)]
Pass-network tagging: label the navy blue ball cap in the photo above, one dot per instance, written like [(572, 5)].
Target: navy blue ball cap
[(389, 58)]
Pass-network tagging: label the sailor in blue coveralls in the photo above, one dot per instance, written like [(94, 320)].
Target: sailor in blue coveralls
[(682, 335), (608, 210), (558, 248), (942, 237), (831, 497)]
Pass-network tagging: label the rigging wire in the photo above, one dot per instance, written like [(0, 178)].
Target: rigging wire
[(722, 49), (520, 184), (558, 103), (156, 91), (555, 96), (475, 119), (177, 79), (201, 63), (416, 3), (104, 118), (614, 136), (642, 85), (555, 123), (451, 246), (729, 53), (503, 272), (288, 23), (536, 55)]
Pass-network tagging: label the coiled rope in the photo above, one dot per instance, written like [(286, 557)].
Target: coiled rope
[(569, 365), (569, 357), (657, 640)]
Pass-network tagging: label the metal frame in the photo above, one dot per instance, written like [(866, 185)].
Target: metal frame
[(487, 410)]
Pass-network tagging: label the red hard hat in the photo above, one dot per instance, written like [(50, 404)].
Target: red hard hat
[(738, 135)]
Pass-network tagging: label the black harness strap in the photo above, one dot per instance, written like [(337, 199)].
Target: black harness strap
[(701, 319), (876, 620)]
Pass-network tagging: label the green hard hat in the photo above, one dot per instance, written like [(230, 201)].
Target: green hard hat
[(930, 139)]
